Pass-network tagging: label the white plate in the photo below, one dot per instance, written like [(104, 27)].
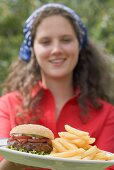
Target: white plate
[(46, 161)]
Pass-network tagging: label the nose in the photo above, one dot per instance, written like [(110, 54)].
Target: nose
[(56, 48)]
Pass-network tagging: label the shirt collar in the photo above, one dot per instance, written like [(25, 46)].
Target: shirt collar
[(40, 86)]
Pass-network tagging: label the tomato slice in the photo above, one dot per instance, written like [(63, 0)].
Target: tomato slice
[(21, 137)]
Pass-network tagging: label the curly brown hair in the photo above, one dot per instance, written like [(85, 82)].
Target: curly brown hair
[(90, 74)]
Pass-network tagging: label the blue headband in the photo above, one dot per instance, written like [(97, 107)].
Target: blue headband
[(26, 47)]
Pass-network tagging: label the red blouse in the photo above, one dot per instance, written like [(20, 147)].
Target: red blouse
[(99, 123)]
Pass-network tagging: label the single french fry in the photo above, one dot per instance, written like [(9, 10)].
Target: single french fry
[(66, 144), (65, 154), (87, 158), (69, 153), (85, 137), (91, 140), (103, 155), (100, 156), (76, 157), (87, 146), (67, 135), (70, 136), (110, 157), (75, 131), (58, 146), (90, 152), (78, 142)]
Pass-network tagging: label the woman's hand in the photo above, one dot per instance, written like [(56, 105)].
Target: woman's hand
[(6, 165)]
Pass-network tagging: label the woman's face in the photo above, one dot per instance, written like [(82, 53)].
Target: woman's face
[(56, 47)]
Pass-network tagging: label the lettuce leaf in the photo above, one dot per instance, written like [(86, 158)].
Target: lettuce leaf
[(33, 151)]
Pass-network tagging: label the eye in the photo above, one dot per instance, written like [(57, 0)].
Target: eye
[(45, 41), (66, 40)]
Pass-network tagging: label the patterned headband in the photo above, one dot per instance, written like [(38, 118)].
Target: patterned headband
[(26, 47)]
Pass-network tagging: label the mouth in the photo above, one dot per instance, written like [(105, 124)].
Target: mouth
[(57, 61)]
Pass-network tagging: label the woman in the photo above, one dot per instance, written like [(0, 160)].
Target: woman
[(59, 79)]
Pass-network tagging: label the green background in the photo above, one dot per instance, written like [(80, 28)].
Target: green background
[(97, 15)]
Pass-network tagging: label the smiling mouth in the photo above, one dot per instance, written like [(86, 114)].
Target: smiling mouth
[(57, 61)]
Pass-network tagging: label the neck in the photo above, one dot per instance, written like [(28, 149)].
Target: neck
[(62, 89)]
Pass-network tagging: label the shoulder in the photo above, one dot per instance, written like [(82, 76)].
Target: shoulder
[(10, 97), (106, 105), (9, 104), (107, 109)]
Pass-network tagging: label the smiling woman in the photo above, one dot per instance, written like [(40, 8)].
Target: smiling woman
[(59, 78)]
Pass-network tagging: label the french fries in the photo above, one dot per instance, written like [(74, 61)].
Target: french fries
[(77, 144)]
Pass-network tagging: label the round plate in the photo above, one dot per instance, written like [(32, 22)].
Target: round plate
[(47, 161)]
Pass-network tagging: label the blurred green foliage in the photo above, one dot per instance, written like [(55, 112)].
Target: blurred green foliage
[(97, 15)]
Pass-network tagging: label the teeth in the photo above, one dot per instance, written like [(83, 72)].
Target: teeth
[(57, 61)]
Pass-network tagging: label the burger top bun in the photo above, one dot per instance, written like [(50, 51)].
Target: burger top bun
[(33, 130)]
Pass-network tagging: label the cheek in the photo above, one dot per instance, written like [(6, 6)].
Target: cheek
[(40, 52), (74, 52)]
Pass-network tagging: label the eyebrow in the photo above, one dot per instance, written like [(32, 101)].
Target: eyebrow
[(64, 35)]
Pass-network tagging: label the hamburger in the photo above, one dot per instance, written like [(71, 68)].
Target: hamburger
[(31, 138)]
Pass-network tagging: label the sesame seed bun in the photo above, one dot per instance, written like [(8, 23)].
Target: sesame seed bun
[(33, 130)]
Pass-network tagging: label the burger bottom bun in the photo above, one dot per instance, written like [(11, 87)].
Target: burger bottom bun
[(33, 129)]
